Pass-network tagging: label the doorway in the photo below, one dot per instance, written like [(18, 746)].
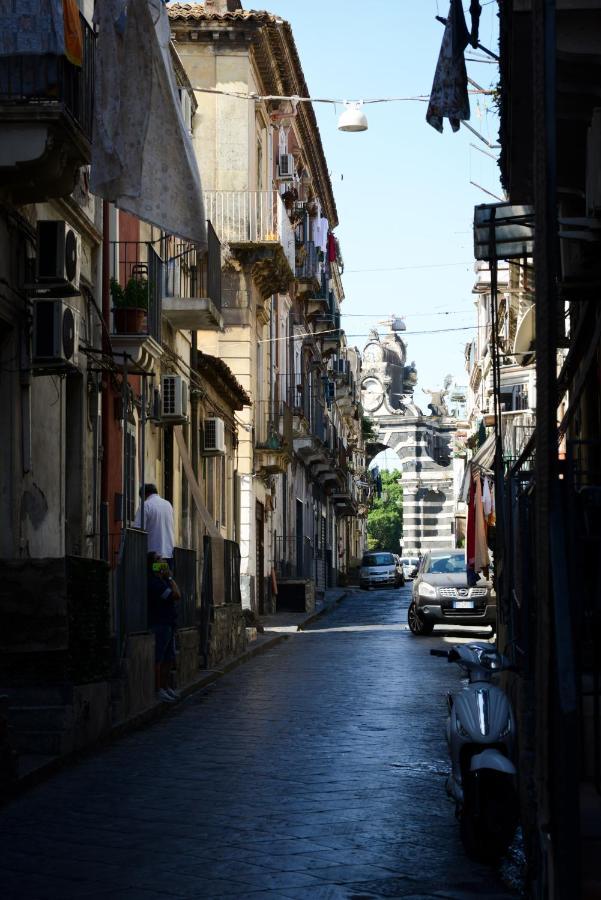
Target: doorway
[(260, 561)]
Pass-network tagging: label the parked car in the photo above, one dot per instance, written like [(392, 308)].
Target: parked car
[(410, 566), (441, 594), (378, 568), (400, 570)]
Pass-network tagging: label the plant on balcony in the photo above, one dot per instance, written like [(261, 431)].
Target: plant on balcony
[(130, 305), (289, 197)]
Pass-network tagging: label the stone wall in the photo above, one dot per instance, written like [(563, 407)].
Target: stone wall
[(228, 634), (188, 644)]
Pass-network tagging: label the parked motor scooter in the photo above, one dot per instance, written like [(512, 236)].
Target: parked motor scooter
[(481, 737)]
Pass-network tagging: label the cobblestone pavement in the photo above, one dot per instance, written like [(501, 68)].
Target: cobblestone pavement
[(314, 771)]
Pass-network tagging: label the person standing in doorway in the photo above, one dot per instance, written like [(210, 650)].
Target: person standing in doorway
[(158, 522)]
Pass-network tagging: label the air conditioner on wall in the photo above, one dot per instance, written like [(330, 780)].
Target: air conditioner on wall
[(286, 165), (55, 337), (214, 435), (174, 399), (58, 257)]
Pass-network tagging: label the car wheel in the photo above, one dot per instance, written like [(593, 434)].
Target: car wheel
[(417, 624)]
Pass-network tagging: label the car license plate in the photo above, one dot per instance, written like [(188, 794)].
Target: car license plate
[(463, 604)]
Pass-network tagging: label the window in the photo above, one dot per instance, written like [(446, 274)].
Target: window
[(447, 565), (130, 472), (378, 559)]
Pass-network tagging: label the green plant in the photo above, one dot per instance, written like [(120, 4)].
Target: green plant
[(369, 431), (385, 519), (133, 296)]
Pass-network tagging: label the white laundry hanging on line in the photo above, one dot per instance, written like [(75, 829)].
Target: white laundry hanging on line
[(142, 155)]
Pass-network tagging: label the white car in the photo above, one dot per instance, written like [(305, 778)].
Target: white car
[(409, 563)]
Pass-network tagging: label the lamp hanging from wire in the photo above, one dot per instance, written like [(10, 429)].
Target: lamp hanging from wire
[(353, 118)]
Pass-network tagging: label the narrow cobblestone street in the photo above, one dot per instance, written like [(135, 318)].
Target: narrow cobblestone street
[(316, 770)]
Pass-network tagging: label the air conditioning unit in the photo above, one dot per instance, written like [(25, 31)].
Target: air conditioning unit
[(55, 336), (286, 165), (58, 255), (174, 399), (214, 435)]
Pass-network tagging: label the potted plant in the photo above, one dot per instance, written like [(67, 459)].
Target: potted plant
[(130, 305)]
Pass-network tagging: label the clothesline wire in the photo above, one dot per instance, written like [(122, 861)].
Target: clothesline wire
[(295, 98), (406, 268), (319, 334), (448, 312)]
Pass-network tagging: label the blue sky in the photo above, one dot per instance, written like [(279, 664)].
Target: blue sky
[(402, 189)]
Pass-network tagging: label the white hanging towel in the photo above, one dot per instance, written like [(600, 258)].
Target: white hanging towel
[(487, 498), (142, 155)]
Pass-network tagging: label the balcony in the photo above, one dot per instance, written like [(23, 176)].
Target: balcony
[(256, 226), (517, 427), (192, 298), (137, 286), (343, 497), (274, 439), (311, 444), (45, 123)]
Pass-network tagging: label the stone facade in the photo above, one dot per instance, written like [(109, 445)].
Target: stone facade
[(423, 443)]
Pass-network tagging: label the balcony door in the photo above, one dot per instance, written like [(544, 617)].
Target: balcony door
[(260, 560)]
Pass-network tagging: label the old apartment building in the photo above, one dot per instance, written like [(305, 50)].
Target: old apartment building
[(211, 365)]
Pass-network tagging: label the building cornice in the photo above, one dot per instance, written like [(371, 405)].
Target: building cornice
[(277, 63)]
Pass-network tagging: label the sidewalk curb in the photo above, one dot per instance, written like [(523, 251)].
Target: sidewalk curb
[(148, 716), (323, 611)]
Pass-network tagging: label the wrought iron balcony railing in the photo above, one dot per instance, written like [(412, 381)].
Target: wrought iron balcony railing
[(191, 274), (256, 217), (49, 84), (137, 288)]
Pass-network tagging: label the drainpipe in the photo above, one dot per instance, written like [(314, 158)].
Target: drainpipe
[(104, 472), (194, 448)]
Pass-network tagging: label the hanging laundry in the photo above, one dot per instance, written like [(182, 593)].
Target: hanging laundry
[(470, 542), (331, 247), (40, 28), (34, 28), (486, 498), (475, 11), (481, 557), (73, 32), (132, 164), (491, 520), (448, 97)]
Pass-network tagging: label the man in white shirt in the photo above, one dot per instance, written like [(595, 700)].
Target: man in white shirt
[(158, 522)]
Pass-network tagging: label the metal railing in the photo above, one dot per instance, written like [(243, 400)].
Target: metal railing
[(241, 217), (308, 265), (231, 562), (49, 82), (184, 573), (136, 268), (190, 273), (131, 592), (517, 429), (303, 399), (292, 560), (274, 426)]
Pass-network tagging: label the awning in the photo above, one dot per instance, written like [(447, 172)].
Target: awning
[(524, 336), (142, 155)]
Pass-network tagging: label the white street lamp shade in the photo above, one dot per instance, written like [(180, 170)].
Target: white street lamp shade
[(353, 118)]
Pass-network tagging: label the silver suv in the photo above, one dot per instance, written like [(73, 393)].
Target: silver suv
[(441, 595)]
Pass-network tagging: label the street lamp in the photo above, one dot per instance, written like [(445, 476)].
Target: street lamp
[(353, 118)]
